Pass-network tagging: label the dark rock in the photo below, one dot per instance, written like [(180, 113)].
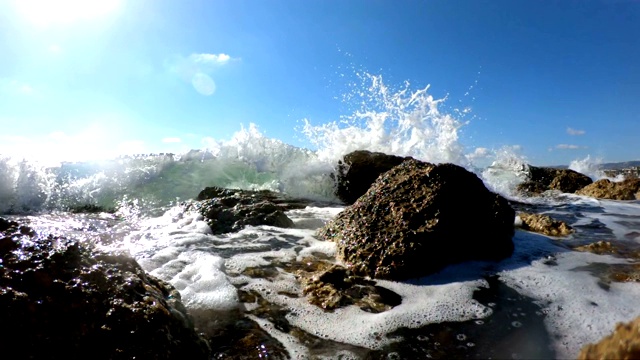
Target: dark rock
[(418, 218), (544, 224), (623, 343), (59, 298), (531, 188), (358, 170), (564, 180), (231, 197), (229, 210), (628, 189), (90, 209), (246, 340)]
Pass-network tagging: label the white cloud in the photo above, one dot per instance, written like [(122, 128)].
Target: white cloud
[(171, 140), (574, 132), (479, 153), (210, 59), (569, 147)]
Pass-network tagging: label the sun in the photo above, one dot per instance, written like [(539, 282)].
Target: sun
[(47, 12)]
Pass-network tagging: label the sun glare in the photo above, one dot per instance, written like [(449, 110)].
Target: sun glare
[(47, 12)]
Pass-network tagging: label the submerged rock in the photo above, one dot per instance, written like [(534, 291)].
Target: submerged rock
[(338, 287), (624, 249), (359, 169), (623, 343), (59, 298), (628, 189), (545, 178), (544, 224), (600, 248), (230, 210), (418, 218)]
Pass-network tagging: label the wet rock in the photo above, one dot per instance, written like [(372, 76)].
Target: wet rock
[(418, 218), (330, 286), (608, 273), (623, 343), (58, 297), (628, 189), (623, 249), (544, 224), (338, 287), (531, 188), (230, 210), (246, 340), (546, 178), (90, 209), (358, 170), (600, 248)]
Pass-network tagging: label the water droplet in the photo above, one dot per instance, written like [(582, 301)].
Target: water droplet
[(461, 337), (516, 324)]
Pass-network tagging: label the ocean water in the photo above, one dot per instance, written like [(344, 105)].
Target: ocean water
[(545, 301)]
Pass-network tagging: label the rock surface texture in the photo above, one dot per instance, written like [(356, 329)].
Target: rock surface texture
[(358, 170), (628, 189), (60, 300), (624, 343), (230, 210), (544, 224), (545, 178), (418, 218)]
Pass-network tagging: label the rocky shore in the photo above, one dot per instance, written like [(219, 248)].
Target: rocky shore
[(404, 219)]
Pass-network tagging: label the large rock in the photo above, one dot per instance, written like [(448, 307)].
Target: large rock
[(546, 178), (628, 189), (59, 298), (623, 343), (358, 170), (230, 210), (418, 218)]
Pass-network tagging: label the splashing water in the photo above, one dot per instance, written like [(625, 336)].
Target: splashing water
[(405, 122), (589, 167), (507, 170)]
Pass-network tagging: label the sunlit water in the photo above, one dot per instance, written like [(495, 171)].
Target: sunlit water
[(544, 301)]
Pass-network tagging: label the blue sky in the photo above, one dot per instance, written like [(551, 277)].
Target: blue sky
[(559, 80)]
